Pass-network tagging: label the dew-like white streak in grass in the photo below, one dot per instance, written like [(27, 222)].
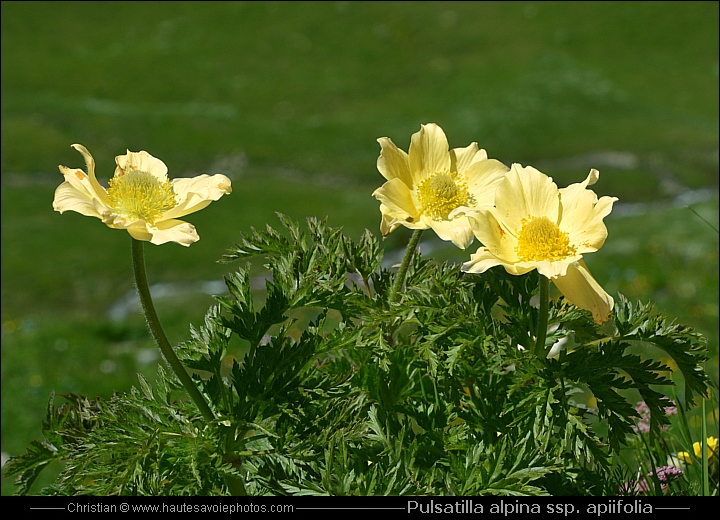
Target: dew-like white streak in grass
[(129, 303), (684, 199)]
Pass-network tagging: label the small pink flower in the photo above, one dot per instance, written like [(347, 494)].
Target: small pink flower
[(665, 474), (643, 423)]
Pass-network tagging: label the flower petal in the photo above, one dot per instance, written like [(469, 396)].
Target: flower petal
[(526, 192), (429, 153), (166, 231), (398, 200), (117, 221), (462, 158), (393, 162), (193, 194), (550, 269), (139, 232), (86, 184), (498, 240), (483, 178), (456, 231), (481, 261), (581, 289), (390, 222), (68, 197), (96, 189), (583, 214), (141, 161)]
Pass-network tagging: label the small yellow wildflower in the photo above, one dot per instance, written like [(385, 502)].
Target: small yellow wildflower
[(426, 184), (140, 198), (535, 225), (712, 444)]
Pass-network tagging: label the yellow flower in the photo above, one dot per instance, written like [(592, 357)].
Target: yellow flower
[(430, 181), (712, 444), (140, 198), (535, 225)]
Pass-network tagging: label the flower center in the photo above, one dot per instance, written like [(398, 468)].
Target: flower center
[(140, 196), (443, 192), (540, 239)]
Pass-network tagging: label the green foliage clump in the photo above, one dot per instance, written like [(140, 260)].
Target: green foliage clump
[(327, 388)]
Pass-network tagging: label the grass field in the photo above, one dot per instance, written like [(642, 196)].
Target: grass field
[(288, 100)]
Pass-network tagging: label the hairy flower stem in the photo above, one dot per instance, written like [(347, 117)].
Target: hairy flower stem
[(235, 485), (409, 252), (158, 333), (542, 317)]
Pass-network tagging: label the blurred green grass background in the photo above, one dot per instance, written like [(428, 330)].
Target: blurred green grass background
[(288, 100)]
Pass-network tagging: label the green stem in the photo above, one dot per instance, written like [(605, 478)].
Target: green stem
[(542, 317), (409, 252), (158, 333)]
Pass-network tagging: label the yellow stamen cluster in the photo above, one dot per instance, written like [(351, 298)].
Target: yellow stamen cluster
[(443, 192), (140, 196), (540, 239)]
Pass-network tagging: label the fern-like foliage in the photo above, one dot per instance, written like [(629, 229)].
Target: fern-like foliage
[(339, 392)]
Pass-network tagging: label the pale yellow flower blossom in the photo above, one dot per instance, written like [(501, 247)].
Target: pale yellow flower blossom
[(426, 184), (140, 197), (535, 225), (712, 444)]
